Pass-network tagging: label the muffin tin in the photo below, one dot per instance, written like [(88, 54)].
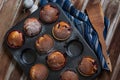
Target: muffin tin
[(74, 48)]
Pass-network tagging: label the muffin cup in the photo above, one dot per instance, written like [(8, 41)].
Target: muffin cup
[(48, 17), (74, 48), (95, 63), (51, 66), (12, 45), (75, 74), (57, 37), (39, 72), (45, 48), (28, 56), (32, 27)]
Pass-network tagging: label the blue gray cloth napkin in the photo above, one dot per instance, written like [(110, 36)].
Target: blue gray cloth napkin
[(82, 23)]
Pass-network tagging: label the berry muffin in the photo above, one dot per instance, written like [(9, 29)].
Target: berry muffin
[(69, 75), (44, 43), (15, 39), (62, 31), (39, 72), (49, 13), (87, 66), (32, 26), (56, 60)]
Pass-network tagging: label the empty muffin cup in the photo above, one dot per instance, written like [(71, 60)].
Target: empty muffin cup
[(28, 56), (74, 48)]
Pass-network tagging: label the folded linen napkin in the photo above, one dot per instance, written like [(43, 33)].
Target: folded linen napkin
[(82, 23)]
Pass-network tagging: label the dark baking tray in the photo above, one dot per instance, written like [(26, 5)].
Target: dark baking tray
[(75, 44)]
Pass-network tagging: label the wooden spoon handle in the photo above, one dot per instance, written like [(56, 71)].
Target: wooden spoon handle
[(96, 16), (104, 48)]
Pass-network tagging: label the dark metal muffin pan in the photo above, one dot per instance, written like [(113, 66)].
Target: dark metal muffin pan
[(75, 48)]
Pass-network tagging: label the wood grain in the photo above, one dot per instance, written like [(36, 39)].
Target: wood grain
[(114, 16), (16, 74), (1, 3), (7, 15), (114, 53), (116, 69), (118, 76)]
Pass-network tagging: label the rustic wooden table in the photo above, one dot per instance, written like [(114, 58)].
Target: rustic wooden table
[(11, 12)]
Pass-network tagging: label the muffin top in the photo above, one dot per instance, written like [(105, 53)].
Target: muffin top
[(56, 60), (15, 39), (44, 43), (62, 31), (87, 66), (69, 75), (39, 72), (32, 26), (49, 14)]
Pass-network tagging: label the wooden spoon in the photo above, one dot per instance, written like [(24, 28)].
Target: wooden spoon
[(96, 16)]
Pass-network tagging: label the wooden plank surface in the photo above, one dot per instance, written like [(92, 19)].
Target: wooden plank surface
[(111, 10), (8, 13), (116, 69), (11, 14), (114, 50)]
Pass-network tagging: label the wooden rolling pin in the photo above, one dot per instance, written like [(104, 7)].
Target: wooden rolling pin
[(96, 16)]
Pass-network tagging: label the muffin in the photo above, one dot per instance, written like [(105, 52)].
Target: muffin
[(87, 66), (61, 31), (49, 13), (56, 60), (38, 72), (69, 75), (32, 26), (44, 43), (15, 39)]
